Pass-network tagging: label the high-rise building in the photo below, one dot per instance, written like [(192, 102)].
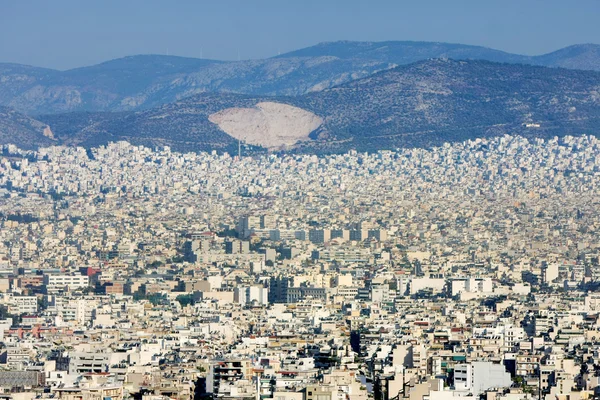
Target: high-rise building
[(247, 224), (319, 236), (237, 247), (268, 222)]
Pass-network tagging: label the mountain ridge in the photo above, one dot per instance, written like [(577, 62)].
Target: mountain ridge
[(421, 104), (146, 81), (411, 51)]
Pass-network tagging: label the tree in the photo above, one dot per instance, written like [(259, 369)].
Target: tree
[(4, 314), (185, 299), (158, 299)]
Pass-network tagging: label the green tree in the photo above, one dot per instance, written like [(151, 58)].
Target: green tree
[(185, 299)]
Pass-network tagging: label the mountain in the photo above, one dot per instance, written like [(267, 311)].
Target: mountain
[(421, 104), (432, 102), (23, 131), (184, 125), (404, 52), (106, 86), (140, 82), (146, 81), (582, 56)]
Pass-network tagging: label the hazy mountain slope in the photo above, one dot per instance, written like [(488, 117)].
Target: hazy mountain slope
[(292, 76), (106, 86), (582, 56), (16, 79), (146, 81), (132, 74), (142, 82), (23, 131), (435, 101), (422, 104), (404, 52)]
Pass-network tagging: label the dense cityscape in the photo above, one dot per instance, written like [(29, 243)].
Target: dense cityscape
[(469, 269)]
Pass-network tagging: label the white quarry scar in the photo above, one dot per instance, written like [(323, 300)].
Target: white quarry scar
[(267, 124)]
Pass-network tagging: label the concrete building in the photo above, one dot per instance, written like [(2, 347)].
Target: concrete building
[(478, 376), (64, 283)]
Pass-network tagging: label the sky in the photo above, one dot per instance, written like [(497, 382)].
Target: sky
[(65, 34)]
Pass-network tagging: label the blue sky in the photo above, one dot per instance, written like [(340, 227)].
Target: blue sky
[(67, 33)]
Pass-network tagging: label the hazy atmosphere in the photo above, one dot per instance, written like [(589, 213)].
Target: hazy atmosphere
[(65, 34)]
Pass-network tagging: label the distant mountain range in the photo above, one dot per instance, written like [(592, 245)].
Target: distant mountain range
[(582, 56), (421, 104), (142, 82), (327, 98)]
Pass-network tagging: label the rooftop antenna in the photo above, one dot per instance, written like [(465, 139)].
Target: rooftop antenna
[(239, 149)]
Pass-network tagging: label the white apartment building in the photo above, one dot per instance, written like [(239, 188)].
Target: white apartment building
[(471, 285), (65, 283), (82, 363), (479, 376), (19, 305), (245, 295)]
